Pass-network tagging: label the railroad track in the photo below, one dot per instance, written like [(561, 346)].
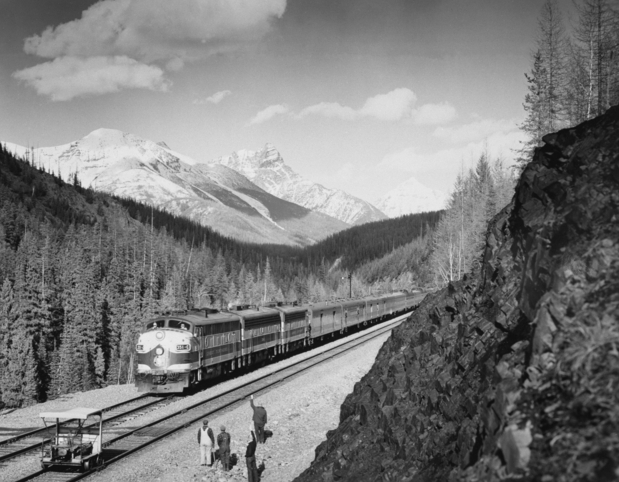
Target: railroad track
[(26, 442), (127, 440)]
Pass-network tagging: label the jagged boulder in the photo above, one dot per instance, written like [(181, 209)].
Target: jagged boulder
[(513, 372)]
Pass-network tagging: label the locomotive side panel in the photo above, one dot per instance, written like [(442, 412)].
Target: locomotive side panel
[(261, 330), (219, 342), (294, 326)]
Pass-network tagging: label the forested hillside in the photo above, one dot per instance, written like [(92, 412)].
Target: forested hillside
[(574, 72), (81, 270), (478, 195)]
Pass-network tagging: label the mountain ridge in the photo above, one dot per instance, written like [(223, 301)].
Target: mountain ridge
[(267, 169), (212, 194)]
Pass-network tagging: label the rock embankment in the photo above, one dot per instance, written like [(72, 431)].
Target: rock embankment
[(513, 372)]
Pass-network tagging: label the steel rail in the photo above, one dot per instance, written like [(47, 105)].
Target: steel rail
[(20, 436), (45, 431), (242, 392)]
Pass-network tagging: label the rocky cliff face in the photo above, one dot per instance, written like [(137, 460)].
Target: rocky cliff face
[(513, 372)]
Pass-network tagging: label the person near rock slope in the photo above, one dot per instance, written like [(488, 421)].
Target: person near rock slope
[(250, 459), (206, 441), (223, 441), (260, 420)]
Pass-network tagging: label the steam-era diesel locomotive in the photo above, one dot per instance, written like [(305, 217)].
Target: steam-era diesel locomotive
[(177, 351)]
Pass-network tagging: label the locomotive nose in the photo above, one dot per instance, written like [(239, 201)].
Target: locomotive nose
[(159, 358)]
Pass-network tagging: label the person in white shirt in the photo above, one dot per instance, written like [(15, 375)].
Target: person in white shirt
[(206, 441)]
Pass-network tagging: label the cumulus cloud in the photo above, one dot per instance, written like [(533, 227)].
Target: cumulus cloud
[(268, 113), (67, 77), (157, 31), (445, 164), (433, 114), (150, 30), (329, 109), (395, 105), (216, 98), (399, 104)]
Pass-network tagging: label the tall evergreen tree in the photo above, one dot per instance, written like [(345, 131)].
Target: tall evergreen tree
[(596, 36), (535, 125)]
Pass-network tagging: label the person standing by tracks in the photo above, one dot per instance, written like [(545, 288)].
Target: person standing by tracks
[(223, 441), (260, 420), (206, 441), (250, 459)]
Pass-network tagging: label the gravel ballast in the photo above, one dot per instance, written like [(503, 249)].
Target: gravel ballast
[(300, 413)]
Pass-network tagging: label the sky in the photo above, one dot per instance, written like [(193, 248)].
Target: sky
[(358, 95)]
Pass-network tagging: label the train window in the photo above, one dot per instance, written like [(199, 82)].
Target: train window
[(179, 325), (153, 325)]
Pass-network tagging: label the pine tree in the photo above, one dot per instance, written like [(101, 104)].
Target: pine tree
[(100, 369), (64, 378), (551, 46), (545, 101), (596, 37), (20, 383), (535, 125)]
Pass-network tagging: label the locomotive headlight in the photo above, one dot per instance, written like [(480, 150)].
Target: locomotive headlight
[(159, 350), (182, 347), (160, 335)]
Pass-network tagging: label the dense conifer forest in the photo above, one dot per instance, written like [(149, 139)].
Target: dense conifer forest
[(81, 270)]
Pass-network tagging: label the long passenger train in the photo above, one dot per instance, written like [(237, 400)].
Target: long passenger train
[(178, 351)]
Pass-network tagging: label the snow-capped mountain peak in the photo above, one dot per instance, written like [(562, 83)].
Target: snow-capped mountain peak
[(129, 166), (267, 169), (411, 197)]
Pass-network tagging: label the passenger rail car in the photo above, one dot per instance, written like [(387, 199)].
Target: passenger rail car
[(176, 351)]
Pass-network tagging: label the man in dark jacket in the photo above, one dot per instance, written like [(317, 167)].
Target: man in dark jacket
[(260, 420), (250, 460), (223, 441)]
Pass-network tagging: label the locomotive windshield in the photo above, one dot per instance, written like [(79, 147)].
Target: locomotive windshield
[(179, 325)]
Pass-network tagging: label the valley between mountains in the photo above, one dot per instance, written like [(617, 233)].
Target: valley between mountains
[(251, 196)]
